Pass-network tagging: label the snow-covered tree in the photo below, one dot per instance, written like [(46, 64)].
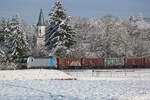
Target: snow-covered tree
[(4, 36), (5, 61), (4, 31), (131, 18), (17, 44), (31, 37), (60, 36)]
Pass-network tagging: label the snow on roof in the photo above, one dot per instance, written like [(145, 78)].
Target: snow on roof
[(34, 74)]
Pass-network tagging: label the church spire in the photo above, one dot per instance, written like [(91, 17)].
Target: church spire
[(41, 19)]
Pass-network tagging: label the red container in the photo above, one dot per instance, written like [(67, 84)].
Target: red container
[(69, 62), (147, 61), (134, 62), (95, 62)]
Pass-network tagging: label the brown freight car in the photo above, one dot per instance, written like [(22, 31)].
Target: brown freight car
[(147, 62), (134, 62), (92, 63), (69, 63)]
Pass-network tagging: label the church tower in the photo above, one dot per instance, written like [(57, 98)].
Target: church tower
[(41, 30)]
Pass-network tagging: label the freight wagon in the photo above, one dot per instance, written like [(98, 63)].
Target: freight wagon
[(113, 62), (64, 63), (92, 63), (42, 62), (147, 62), (134, 62)]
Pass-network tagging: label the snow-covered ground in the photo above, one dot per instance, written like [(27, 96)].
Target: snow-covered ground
[(110, 74), (110, 85), (75, 90), (35, 74)]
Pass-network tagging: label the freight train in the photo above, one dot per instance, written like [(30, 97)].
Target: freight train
[(86, 63)]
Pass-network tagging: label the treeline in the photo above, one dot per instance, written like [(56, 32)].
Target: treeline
[(102, 37), (112, 37)]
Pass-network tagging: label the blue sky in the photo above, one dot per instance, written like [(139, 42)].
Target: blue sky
[(29, 9)]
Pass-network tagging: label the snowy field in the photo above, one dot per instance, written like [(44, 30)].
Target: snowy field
[(36, 74), (110, 74), (75, 90), (108, 86)]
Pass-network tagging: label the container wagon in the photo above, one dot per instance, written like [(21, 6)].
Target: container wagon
[(113, 62)]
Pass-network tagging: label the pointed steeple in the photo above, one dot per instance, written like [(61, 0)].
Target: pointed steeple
[(41, 19)]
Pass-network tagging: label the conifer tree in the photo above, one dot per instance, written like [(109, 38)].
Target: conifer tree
[(4, 30), (2, 27), (59, 34), (17, 43), (4, 35)]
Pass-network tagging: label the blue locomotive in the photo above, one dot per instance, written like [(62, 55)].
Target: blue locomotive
[(41, 62)]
